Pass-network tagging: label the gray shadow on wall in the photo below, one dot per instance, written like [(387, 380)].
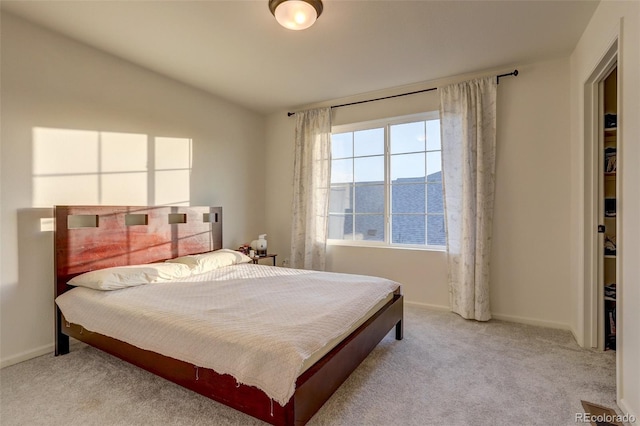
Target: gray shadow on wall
[(35, 272)]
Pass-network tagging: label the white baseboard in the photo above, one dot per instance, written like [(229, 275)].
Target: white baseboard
[(428, 306), (576, 337), (501, 317), (531, 321), (627, 410), (24, 356)]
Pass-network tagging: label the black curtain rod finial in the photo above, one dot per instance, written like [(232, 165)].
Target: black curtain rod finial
[(513, 73)]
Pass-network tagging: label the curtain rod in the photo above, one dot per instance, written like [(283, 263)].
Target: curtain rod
[(513, 73)]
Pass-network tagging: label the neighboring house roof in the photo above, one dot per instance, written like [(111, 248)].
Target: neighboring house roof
[(408, 198)]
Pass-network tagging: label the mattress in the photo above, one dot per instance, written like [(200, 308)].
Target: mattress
[(262, 325)]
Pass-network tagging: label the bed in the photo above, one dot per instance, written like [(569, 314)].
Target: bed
[(89, 238)]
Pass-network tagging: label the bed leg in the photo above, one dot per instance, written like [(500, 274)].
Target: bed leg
[(62, 340), (399, 330)]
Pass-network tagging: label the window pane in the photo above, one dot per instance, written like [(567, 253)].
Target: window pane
[(408, 198), (369, 227), (369, 199), (341, 145), (342, 171), (435, 230), (407, 166), (341, 227), (435, 201), (434, 165), (407, 229), (408, 137), (433, 135), (340, 199), (368, 142), (435, 177), (407, 158), (369, 169)]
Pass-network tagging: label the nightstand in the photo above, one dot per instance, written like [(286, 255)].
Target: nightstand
[(266, 256)]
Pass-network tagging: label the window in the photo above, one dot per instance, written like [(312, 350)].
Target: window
[(386, 182)]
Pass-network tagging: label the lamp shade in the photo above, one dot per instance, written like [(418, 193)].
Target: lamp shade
[(296, 14)]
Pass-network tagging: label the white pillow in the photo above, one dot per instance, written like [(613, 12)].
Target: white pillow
[(205, 262), (128, 276)]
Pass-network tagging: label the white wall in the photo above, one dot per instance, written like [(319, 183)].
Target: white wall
[(53, 86), (530, 262), (622, 20)]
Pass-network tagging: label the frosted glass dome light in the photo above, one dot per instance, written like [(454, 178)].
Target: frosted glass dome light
[(296, 14)]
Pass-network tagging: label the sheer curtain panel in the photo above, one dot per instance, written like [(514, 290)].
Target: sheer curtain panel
[(311, 181), (468, 127)]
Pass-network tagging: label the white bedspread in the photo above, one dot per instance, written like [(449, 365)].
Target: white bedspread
[(257, 323)]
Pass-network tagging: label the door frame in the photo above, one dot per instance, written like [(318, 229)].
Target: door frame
[(592, 250)]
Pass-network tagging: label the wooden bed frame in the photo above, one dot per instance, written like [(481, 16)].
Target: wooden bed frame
[(96, 237)]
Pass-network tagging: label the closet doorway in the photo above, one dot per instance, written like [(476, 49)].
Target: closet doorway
[(593, 223), (608, 195)]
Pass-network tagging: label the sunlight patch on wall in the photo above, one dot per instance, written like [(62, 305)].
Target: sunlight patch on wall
[(123, 169), (65, 166), (46, 224), (173, 159), (110, 168)]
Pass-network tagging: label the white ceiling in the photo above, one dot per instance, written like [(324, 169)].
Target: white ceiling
[(236, 49)]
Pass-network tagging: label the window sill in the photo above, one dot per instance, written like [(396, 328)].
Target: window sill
[(379, 245)]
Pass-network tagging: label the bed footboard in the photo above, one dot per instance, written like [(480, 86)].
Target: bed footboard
[(313, 388), (316, 385)]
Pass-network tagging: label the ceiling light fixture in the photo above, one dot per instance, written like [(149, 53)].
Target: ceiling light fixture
[(296, 14)]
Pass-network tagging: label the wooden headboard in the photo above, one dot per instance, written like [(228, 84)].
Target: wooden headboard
[(96, 237)]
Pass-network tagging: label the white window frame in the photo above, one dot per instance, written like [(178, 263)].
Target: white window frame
[(386, 123)]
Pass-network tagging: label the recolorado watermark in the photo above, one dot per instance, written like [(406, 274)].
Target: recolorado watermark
[(605, 418)]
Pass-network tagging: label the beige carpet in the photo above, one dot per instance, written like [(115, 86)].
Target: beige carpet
[(447, 371)]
